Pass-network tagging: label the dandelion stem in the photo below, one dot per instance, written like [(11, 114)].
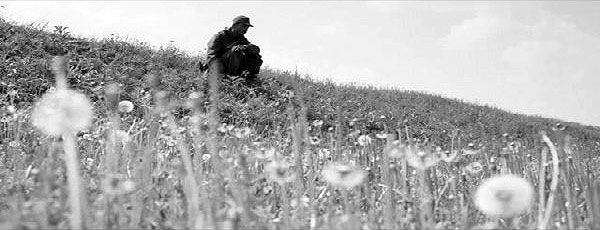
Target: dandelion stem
[(387, 178), (192, 193), (425, 210), (568, 181), (553, 185), (73, 180), (541, 183)]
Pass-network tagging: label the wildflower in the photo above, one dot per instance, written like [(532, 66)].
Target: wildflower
[(62, 111), (265, 153), (504, 196), (222, 128), (242, 132), (470, 152), (381, 135), (364, 140), (14, 144), (302, 200), (396, 149), (205, 157), (317, 123), (315, 140), (449, 156), (354, 133), (11, 109), (474, 168), (125, 106), (89, 163), (324, 154), (279, 171), (558, 127), (421, 159), (116, 184), (344, 176), (352, 122)]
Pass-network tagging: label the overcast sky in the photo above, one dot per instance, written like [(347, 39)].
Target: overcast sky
[(527, 57)]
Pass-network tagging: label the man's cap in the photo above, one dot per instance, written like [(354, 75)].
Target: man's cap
[(242, 19)]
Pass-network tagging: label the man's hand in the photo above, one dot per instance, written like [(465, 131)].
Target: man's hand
[(238, 48)]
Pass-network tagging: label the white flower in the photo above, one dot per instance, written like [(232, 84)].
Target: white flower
[(242, 132), (317, 123), (264, 153), (11, 109), (474, 168), (344, 176), (504, 196), (314, 140), (205, 157), (449, 156), (381, 135), (396, 149), (364, 140), (421, 159), (324, 154), (125, 106), (62, 111)]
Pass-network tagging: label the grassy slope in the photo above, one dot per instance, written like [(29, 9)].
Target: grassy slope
[(26, 51)]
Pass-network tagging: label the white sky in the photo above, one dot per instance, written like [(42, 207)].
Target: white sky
[(526, 57)]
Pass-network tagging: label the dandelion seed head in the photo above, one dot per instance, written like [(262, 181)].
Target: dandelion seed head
[(62, 111), (342, 175), (125, 106), (505, 195)]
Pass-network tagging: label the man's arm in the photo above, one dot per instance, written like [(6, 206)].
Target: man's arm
[(216, 45)]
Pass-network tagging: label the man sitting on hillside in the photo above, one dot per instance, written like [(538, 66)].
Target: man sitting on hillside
[(232, 53)]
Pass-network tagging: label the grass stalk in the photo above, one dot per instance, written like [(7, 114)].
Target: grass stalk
[(542, 183), (389, 206), (191, 185), (568, 182), (74, 181)]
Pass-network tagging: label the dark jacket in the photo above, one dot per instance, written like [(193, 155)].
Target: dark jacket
[(223, 41)]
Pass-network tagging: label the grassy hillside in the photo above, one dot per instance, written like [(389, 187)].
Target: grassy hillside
[(26, 52), (283, 114)]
